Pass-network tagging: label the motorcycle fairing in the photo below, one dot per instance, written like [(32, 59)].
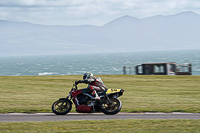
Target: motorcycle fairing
[(76, 92), (114, 91)]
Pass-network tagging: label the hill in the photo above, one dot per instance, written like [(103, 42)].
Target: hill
[(179, 31)]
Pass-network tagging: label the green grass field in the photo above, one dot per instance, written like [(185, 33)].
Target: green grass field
[(103, 126), (142, 93)]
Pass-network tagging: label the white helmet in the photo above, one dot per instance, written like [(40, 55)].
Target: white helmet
[(87, 75)]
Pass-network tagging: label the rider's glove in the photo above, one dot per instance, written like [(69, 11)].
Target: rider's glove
[(76, 82)]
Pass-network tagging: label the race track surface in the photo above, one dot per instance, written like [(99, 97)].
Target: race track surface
[(21, 117)]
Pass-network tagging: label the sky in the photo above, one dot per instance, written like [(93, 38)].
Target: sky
[(89, 12)]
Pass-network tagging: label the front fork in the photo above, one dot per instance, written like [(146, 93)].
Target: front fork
[(65, 99)]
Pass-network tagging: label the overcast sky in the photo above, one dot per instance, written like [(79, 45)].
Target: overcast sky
[(90, 12)]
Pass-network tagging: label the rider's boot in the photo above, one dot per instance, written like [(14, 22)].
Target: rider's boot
[(96, 96)]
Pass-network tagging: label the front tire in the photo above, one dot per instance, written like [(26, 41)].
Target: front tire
[(113, 108), (61, 110)]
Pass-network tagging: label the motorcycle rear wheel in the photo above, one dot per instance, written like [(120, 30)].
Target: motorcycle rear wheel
[(61, 110), (113, 108)]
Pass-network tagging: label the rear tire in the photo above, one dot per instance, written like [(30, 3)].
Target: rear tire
[(58, 110), (112, 109)]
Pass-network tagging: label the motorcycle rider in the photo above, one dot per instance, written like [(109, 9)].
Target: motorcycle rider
[(94, 84)]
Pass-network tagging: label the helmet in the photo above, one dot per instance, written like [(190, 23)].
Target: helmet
[(87, 75)]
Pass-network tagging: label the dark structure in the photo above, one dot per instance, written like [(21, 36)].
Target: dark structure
[(169, 68)]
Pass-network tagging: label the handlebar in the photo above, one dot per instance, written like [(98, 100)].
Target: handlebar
[(75, 86)]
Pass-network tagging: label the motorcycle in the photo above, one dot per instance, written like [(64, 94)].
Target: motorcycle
[(84, 102)]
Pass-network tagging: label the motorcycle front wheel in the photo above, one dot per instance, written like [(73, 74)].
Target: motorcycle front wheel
[(61, 110), (113, 108)]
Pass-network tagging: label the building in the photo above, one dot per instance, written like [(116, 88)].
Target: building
[(167, 68)]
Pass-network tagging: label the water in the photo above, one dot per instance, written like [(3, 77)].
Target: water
[(108, 63)]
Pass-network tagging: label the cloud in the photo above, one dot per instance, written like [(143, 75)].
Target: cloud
[(39, 3), (98, 12)]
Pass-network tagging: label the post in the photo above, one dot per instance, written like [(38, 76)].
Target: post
[(124, 69)]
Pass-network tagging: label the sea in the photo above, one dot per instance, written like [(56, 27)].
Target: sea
[(98, 64)]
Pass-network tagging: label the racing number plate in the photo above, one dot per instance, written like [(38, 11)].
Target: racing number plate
[(113, 90)]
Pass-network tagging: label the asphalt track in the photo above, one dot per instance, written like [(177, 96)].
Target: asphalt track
[(22, 117)]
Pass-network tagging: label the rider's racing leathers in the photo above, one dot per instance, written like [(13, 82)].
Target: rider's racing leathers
[(94, 84)]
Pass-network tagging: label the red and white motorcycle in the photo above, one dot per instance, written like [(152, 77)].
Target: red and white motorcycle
[(85, 102)]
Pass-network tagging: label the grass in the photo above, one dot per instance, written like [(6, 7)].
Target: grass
[(103, 126), (142, 93)]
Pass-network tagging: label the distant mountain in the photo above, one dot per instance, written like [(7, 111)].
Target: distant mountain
[(179, 31)]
